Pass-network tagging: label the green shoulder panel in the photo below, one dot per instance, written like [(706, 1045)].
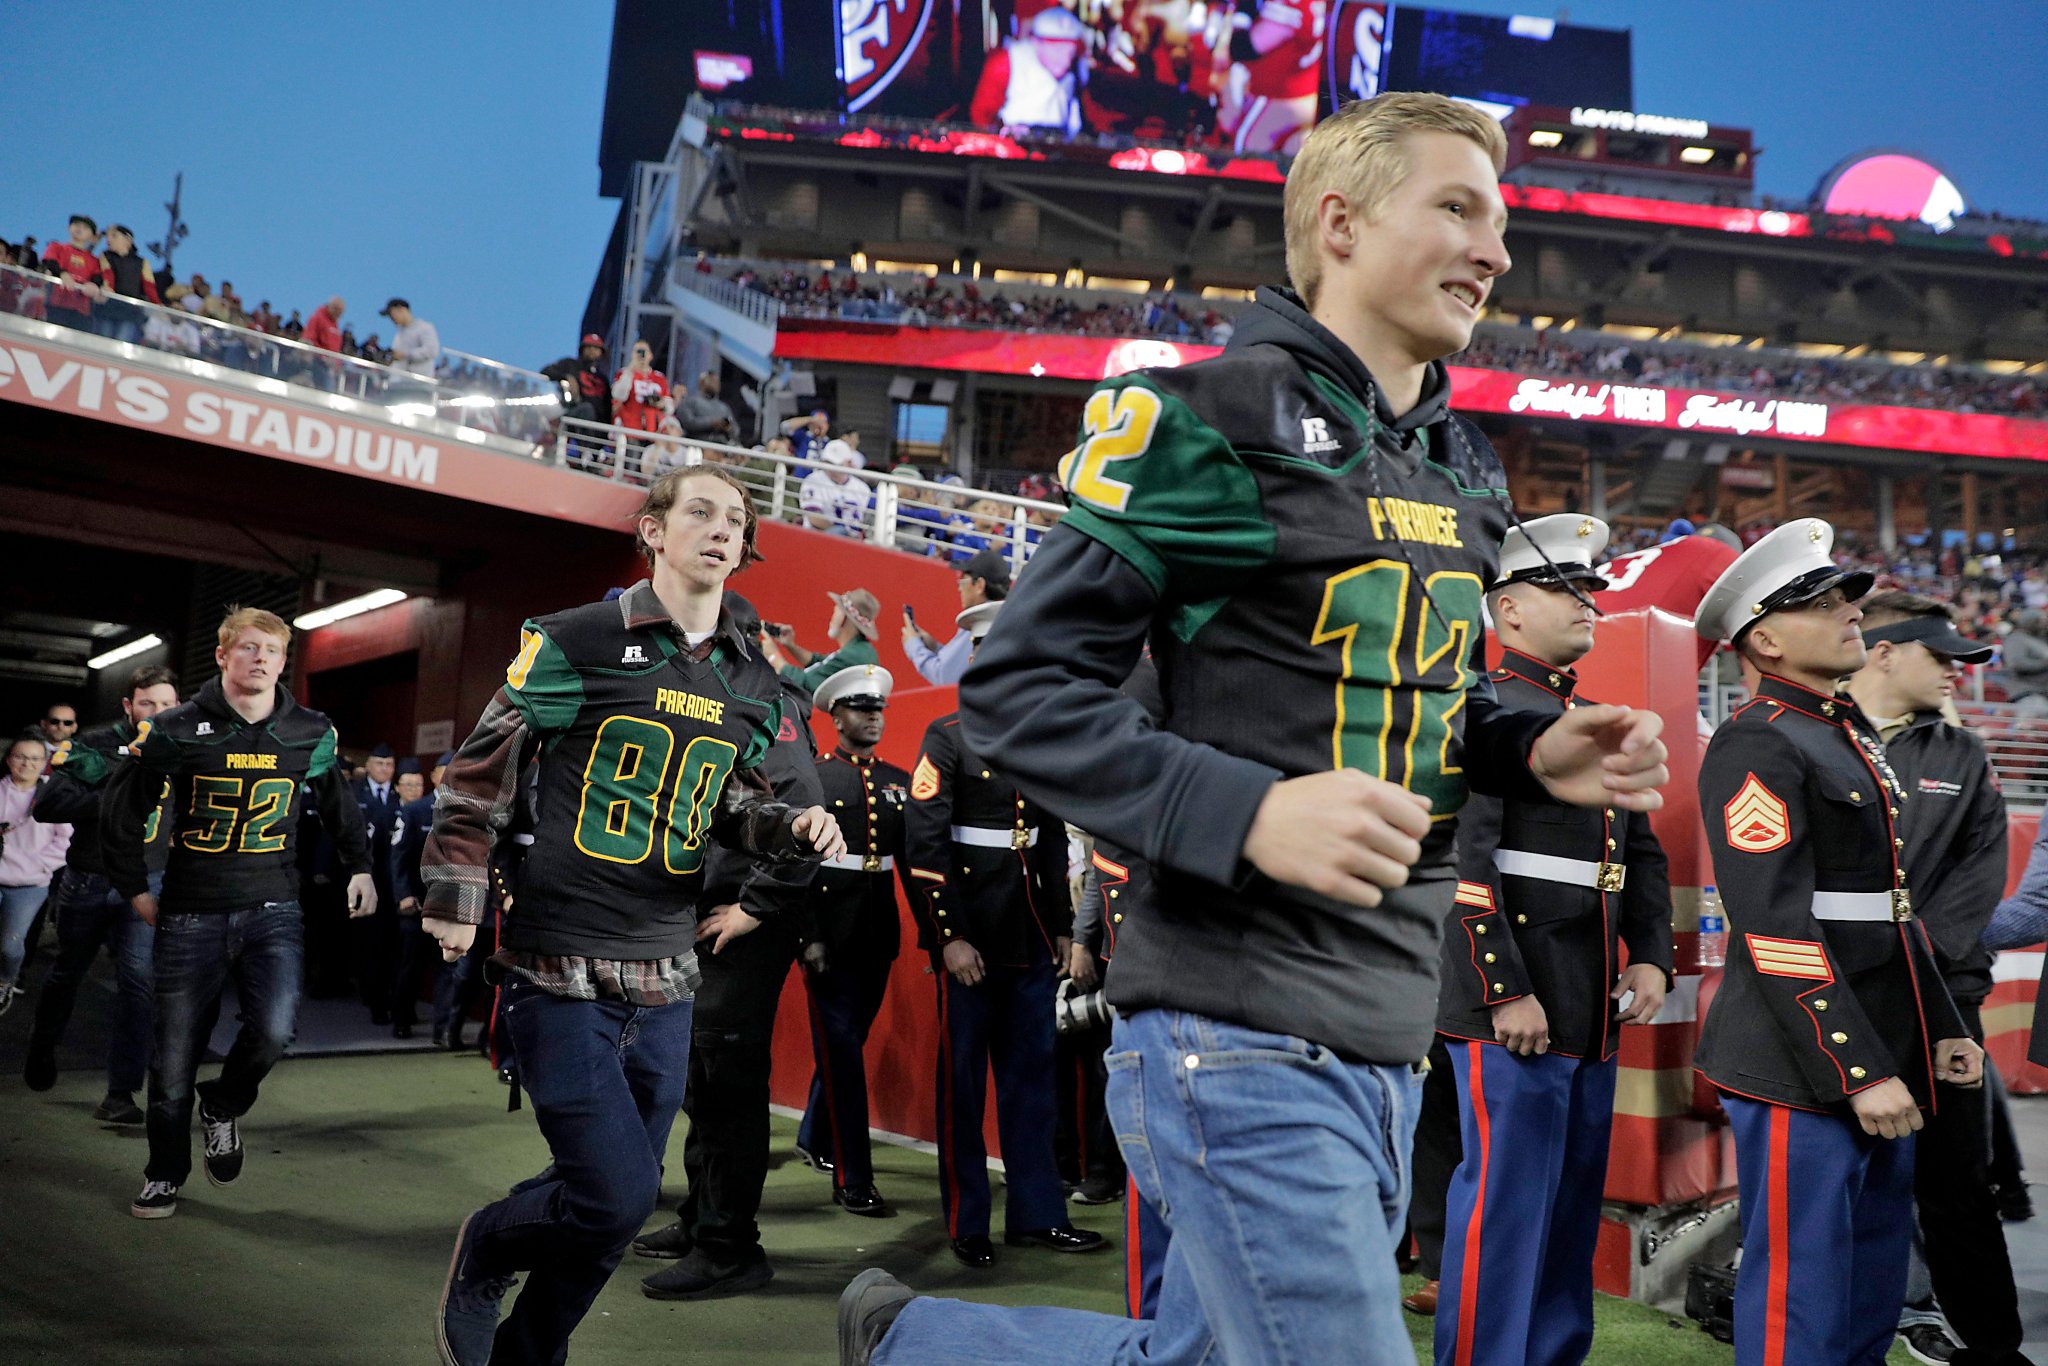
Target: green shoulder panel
[(763, 738), (323, 754), (82, 763), (1164, 490), (543, 684)]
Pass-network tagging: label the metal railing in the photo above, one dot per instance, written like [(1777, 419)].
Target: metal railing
[(755, 305), (940, 519), (2016, 743), (464, 390)]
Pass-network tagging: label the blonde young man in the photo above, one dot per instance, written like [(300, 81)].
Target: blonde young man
[(236, 757), (1301, 531)]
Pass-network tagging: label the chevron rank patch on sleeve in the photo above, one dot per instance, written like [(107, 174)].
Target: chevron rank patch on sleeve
[(1789, 957), (1758, 822), (924, 783)]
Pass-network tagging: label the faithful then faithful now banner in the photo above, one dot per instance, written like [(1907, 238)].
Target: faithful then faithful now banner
[(1693, 412), (279, 426)]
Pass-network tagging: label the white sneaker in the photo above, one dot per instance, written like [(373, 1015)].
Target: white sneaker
[(159, 1200)]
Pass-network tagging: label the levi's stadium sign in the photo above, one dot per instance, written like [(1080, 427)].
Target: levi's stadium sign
[(1693, 412)]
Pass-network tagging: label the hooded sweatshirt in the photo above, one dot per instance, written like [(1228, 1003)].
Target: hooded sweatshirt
[(1307, 569)]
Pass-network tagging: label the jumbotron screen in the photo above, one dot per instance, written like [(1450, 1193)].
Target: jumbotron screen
[(1232, 77)]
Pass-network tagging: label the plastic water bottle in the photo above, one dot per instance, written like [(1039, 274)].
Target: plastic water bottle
[(1713, 930)]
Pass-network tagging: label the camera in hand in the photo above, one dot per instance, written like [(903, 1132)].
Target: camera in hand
[(1077, 1012)]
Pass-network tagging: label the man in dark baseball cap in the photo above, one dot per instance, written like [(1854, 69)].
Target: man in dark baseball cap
[(984, 578)]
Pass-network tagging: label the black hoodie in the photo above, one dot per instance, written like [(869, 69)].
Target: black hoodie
[(1308, 572)]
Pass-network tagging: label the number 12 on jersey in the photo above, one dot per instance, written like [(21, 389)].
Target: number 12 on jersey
[(1118, 426), (1405, 674)]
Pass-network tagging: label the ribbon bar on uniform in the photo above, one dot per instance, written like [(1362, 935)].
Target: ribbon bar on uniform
[(858, 863), (1572, 872), (985, 838)]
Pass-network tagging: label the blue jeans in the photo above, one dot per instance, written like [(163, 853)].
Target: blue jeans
[(89, 914), (606, 1080), (1283, 1174), (264, 950), (18, 907)]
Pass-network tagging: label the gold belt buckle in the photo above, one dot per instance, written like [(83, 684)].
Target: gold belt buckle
[(1609, 878), (871, 864), (1902, 905), (1019, 838)]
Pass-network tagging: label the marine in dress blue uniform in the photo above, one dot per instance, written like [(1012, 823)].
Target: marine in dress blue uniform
[(1832, 1026), (989, 868), (854, 935), (1534, 992)]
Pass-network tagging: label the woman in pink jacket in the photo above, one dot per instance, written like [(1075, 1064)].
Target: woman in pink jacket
[(30, 854)]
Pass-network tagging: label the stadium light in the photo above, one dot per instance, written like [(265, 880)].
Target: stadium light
[(121, 652), (348, 607), (1546, 137), (1696, 156)]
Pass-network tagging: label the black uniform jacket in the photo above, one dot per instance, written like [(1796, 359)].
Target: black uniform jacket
[(1802, 810), (1513, 933), (1007, 898), (1955, 832), (853, 898)]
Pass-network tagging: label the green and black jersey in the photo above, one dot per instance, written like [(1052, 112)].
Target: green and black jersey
[(639, 739), (234, 804), (1320, 603), (79, 772), (1308, 569)]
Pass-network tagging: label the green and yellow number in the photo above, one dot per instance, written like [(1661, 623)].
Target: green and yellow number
[(218, 803), (1405, 674), (1116, 426), (623, 781), (270, 801)]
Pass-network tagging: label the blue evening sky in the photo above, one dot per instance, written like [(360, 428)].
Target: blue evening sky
[(446, 150)]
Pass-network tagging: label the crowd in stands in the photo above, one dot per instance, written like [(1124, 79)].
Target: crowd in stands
[(1595, 358), (918, 301), (931, 302)]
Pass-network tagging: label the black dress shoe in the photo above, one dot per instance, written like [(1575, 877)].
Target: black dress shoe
[(1065, 1238), (665, 1243), (815, 1161), (862, 1200), (975, 1250)]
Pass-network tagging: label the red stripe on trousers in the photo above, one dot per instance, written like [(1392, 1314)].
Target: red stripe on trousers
[(821, 1058), (1468, 1282), (1778, 1239), (949, 1182)]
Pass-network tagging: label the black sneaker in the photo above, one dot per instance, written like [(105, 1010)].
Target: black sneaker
[(1927, 1342), (470, 1305), (223, 1147), (1093, 1192), (699, 1275), (159, 1200), (40, 1072), (118, 1108), (665, 1244), (867, 1309)]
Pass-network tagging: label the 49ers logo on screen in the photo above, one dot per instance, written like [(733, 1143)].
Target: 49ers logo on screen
[(1358, 38), (877, 39)]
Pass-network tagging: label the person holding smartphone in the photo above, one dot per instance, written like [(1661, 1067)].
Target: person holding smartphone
[(984, 578)]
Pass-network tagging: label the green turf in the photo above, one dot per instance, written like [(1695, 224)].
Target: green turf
[(331, 1247)]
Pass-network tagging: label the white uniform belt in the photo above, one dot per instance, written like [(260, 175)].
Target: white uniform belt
[(1877, 906), (858, 863), (993, 839), (1573, 872)]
